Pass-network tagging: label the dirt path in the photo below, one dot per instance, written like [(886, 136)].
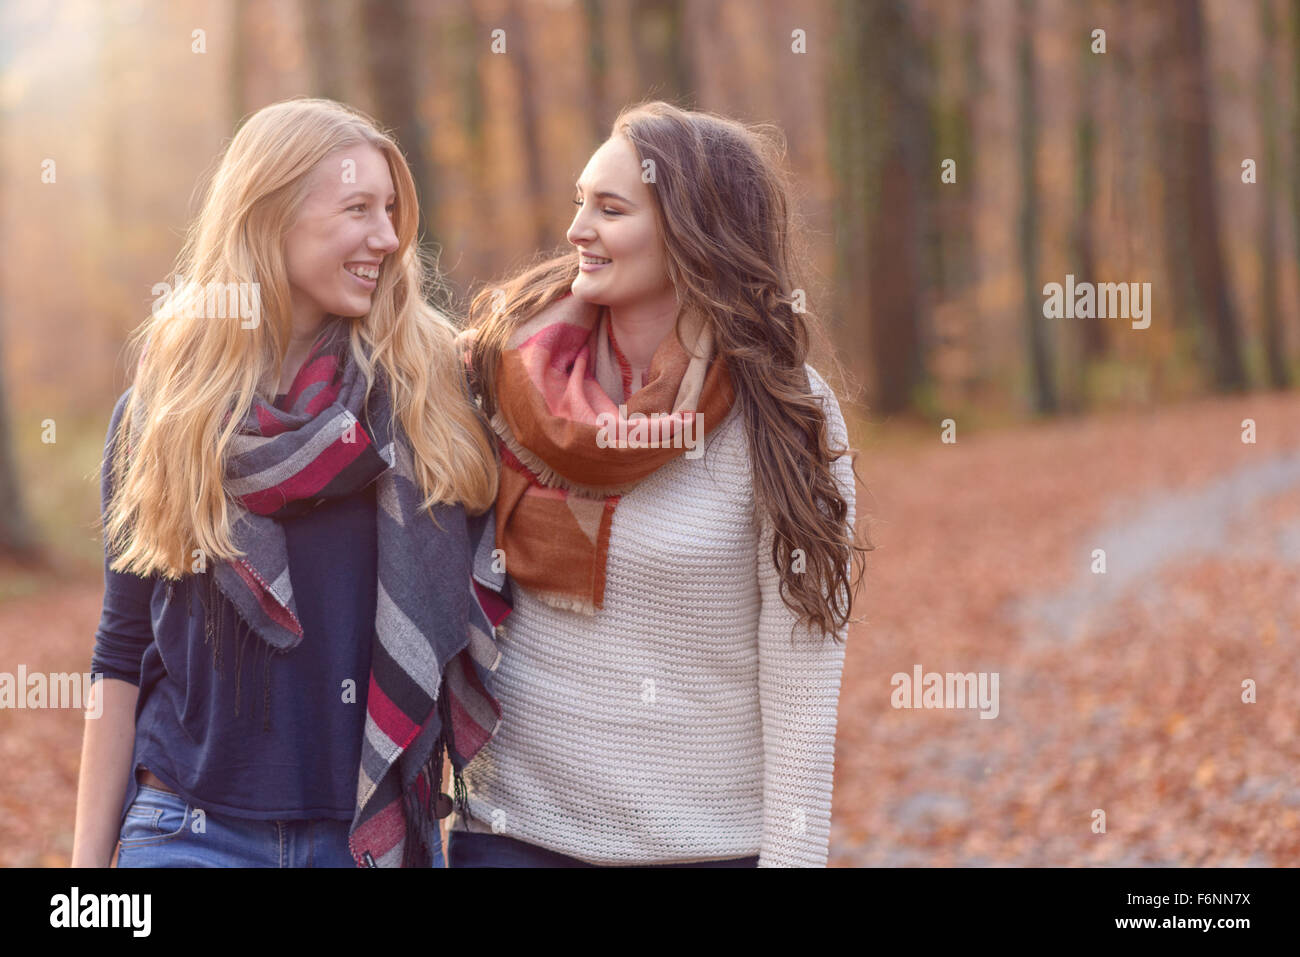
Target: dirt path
[(1120, 692)]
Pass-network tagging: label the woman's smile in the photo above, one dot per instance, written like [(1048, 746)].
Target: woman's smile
[(365, 273)]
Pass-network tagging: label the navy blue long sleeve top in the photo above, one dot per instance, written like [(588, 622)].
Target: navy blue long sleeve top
[(186, 731)]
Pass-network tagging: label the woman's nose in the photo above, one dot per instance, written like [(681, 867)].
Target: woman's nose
[(386, 239), (579, 232)]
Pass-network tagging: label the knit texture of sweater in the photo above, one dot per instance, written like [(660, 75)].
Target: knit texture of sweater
[(683, 721)]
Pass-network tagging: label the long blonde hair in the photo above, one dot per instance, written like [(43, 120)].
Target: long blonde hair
[(169, 496)]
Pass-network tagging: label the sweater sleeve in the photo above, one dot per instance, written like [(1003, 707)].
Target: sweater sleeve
[(125, 624), (799, 686)]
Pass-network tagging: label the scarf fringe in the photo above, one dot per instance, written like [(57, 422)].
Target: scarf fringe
[(214, 604), (547, 475), (566, 602), (460, 792), (422, 818)]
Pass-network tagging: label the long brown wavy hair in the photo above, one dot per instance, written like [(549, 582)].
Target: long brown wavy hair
[(722, 204)]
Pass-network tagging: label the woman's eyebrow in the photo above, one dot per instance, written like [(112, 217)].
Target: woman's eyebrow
[(606, 194), (363, 194)]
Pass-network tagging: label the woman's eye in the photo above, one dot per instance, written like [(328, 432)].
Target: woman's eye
[(607, 211), (391, 207), (360, 206)]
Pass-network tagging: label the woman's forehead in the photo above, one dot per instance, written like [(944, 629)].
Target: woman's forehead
[(361, 167), (614, 160)]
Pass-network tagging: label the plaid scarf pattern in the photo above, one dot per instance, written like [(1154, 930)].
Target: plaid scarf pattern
[(574, 438), (439, 599)]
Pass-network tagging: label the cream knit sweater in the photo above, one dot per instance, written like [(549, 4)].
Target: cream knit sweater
[(679, 723)]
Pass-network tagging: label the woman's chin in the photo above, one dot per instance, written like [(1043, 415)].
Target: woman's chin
[(353, 309), (581, 289)]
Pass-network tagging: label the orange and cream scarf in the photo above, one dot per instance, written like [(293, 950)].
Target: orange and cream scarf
[(574, 440)]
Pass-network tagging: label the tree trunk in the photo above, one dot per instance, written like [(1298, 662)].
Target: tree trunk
[(320, 33), (847, 149), (1092, 332), (876, 118), (593, 12), (16, 535), (520, 46), (1160, 112), (954, 122), (1037, 330), (969, 275), (1267, 176), (390, 47), (463, 43), (1198, 195), (662, 62), (1295, 133)]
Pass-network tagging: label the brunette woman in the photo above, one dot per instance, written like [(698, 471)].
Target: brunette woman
[(676, 512)]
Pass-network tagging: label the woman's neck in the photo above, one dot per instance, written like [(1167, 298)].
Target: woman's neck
[(302, 336), (639, 328)]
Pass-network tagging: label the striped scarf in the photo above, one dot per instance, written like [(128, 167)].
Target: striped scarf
[(439, 600)]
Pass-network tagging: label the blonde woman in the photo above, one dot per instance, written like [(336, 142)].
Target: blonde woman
[(292, 629), (676, 512)]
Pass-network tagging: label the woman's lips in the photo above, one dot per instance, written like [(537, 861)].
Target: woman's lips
[(368, 284)]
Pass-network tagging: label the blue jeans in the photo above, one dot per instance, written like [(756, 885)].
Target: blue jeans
[(476, 849), (159, 832)]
